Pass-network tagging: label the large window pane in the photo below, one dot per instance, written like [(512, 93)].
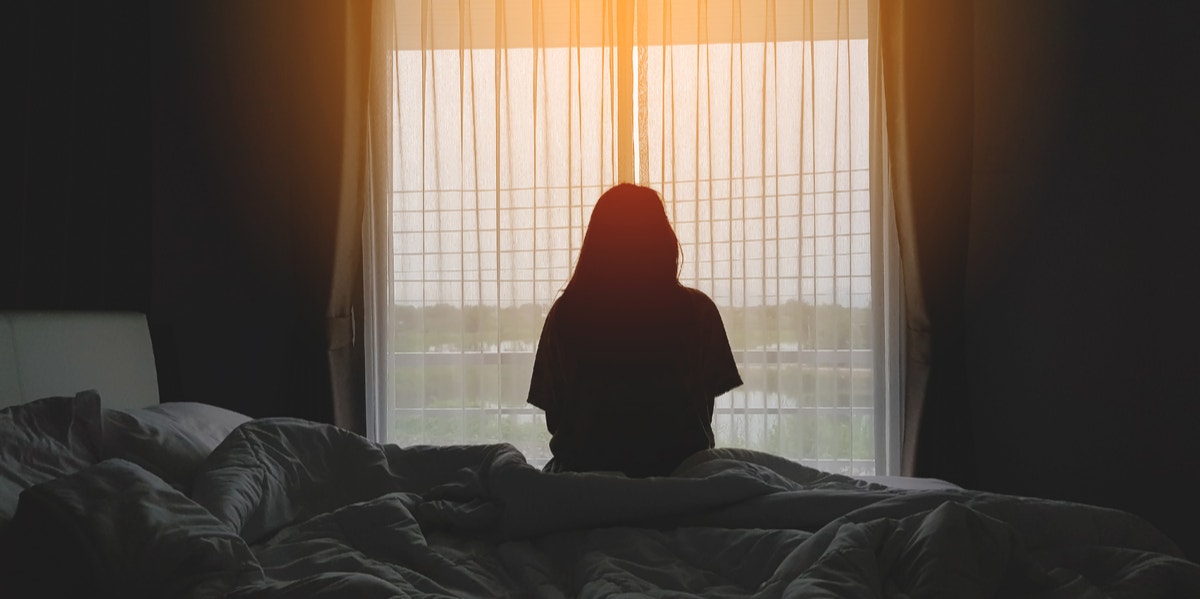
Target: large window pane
[(761, 150)]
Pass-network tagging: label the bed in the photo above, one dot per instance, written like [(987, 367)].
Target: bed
[(107, 492)]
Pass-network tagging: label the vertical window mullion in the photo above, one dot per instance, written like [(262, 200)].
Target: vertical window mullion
[(643, 94), (625, 135)]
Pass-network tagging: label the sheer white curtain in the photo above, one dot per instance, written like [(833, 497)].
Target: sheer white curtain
[(505, 121)]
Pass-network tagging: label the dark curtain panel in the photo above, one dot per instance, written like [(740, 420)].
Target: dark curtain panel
[(256, 219), (927, 72), (75, 205), (345, 311)]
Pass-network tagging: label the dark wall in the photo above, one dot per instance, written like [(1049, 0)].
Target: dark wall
[(1083, 329), (75, 205)]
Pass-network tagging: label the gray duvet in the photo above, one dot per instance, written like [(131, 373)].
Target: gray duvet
[(289, 508)]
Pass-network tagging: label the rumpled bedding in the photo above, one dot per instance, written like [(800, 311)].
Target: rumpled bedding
[(287, 508)]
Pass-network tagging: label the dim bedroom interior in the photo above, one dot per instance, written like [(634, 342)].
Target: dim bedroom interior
[(188, 389)]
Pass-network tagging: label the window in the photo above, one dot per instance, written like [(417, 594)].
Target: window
[(751, 118)]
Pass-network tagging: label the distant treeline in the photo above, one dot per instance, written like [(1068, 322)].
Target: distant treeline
[(793, 324)]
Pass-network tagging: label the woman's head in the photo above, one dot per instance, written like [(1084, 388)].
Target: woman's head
[(629, 241)]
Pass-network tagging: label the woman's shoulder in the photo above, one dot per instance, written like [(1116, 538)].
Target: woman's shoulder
[(697, 296), (700, 301), (558, 307)]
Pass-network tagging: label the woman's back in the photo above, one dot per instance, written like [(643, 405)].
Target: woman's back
[(630, 360), (628, 383)]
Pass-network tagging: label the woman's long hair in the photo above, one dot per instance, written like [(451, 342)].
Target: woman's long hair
[(629, 246)]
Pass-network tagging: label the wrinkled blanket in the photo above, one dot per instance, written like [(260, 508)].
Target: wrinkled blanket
[(288, 508)]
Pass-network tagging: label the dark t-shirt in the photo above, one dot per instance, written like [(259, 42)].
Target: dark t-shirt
[(629, 385)]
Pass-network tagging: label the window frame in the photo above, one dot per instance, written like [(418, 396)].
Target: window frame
[(886, 295)]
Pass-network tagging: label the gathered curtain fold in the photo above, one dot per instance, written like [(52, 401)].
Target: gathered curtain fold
[(927, 71), (344, 311)]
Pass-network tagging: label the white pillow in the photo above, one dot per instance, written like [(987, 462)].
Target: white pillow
[(170, 440)]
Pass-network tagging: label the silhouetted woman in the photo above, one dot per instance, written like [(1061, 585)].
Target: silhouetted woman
[(630, 360)]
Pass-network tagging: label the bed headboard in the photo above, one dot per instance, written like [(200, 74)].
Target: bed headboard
[(45, 354)]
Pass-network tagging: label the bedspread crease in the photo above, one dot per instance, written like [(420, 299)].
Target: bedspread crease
[(290, 508)]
